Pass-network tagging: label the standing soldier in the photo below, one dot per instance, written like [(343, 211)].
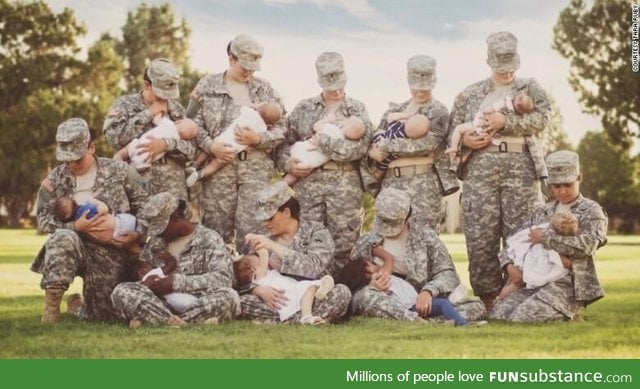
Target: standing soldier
[(501, 181), (331, 194), (203, 269), (414, 171), (131, 116), (69, 252), (229, 196)]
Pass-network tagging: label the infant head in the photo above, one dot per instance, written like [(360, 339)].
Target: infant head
[(564, 223), (270, 112), (353, 128), (187, 128), (244, 269), (522, 104), (64, 208)]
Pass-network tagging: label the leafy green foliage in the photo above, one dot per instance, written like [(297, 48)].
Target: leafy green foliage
[(597, 42)]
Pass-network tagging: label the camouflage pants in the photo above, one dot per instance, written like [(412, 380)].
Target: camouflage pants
[(333, 198), (375, 303), (101, 269), (426, 199), (552, 302), (332, 308), (167, 175), (500, 192), (229, 199), (132, 300)]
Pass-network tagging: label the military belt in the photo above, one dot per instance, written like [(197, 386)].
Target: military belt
[(506, 147), (251, 155), (333, 165), (410, 171)]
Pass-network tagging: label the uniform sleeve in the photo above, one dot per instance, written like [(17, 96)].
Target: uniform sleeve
[(120, 128), (195, 111), (47, 221), (345, 150), (219, 272), (442, 274), (364, 246), (531, 123), (315, 258), (436, 136), (137, 194), (179, 149), (592, 235), (290, 137)]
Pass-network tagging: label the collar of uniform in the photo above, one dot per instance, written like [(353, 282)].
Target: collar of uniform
[(198, 240), (220, 87), (575, 204), (518, 84), (317, 100)]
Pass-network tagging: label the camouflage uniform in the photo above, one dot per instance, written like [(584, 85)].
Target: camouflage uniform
[(67, 254), (229, 195), (429, 265), (424, 189), (331, 195), (501, 189), (129, 118), (308, 257), (561, 299), (203, 269)]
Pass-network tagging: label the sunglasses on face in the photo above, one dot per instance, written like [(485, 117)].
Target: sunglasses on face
[(558, 186)]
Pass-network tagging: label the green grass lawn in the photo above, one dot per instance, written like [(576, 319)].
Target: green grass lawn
[(610, 329)]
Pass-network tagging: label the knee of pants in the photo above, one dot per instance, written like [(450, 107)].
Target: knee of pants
[(126, 297)]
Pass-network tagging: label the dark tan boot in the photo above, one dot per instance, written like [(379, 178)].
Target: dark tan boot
[(489, 300), (52, 300), (74, 304)]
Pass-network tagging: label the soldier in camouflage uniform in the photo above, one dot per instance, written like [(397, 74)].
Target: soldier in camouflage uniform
[(331, 194), (228, 197), (68, 251), (131, 116), (420, 258), (561, 299), (299, 249), (203, 269), (501, 182), (414, 170)]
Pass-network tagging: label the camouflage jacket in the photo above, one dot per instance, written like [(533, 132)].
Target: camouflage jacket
[(432, 143), (528, 125), (213, 109), (428, 262), (300, 128), (129, 117), (592, 222), (119, 186), (310, 253), (205, 262)]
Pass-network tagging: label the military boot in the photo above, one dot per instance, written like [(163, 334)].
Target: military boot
[(74, 304), (489, 300), (52, 300)]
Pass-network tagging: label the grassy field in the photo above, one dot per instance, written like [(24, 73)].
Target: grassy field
[(610, 329)]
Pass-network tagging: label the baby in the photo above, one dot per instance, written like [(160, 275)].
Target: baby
[(300, 294), (257, 118), (520, 104), (141, 270), (359, 273), (307, 152), (402, 125), (182, 129), (539, 265), (67, 210)]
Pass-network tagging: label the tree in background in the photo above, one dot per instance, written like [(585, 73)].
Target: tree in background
[(37, 68), (597, 42), (608, 173), (152, 32), (554, 137)]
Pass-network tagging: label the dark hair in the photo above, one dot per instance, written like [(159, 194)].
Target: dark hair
[(229, 51), (59, 209), (132, 270), (93, 135), (146, 76), (243, 272), (354, 275), (294, 207)]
